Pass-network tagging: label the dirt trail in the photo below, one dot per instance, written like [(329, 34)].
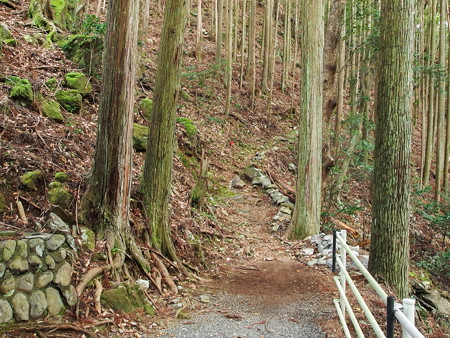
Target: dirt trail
[(260, 288)]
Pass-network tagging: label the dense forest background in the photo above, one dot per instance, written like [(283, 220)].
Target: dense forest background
[(238, 106)]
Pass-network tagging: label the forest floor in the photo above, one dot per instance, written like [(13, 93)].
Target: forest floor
[(253, 281)]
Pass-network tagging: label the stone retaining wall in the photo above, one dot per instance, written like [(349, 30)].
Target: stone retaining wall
[(35, 276)]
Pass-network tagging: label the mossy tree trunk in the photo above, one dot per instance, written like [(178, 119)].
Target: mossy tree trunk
[(389, 247), (306, 220), (105, 204), (157, 175)]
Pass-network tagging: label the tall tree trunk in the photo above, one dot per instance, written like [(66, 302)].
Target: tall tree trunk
[(440, 125), (156, 184), (229, 53), (447, 138), (244, 33), (341, 81), (105, 205), (306, 220), (331, 48), (431, 113), (268, 15), (389, 247), (198, 47), (251, 52), (219, 24)]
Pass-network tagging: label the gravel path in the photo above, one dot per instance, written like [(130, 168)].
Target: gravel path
[(243, 316)]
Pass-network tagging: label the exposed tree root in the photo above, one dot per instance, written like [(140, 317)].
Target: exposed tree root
[(37, 327), (97, 295)]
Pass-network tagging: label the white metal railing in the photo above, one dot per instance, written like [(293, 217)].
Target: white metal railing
[(403, 312)]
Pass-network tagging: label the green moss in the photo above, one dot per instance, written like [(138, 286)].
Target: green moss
[(127, 298), (140, 136), (85, 50), (2, 203), (52, 84), (30, 179), (10, 42), (71, 100), (58, 195), (61, 177), (146, 106), (22, 91), (52, 110), (79, 82), (59, 8), (191, 129), (87, 239)]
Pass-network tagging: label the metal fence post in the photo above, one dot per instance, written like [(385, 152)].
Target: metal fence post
[(390, 317), (344, 265), (333, 264), (409, 310)]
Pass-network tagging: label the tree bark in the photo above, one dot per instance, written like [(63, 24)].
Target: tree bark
[(156, 184), (105, 204), (306, 220), (389, 247)]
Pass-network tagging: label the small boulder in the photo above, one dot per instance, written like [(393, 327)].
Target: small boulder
[(146, 106), (52, 84), (30, 179), (71, 100), (6, 312), (58, 195), (237, 182), (140, 136), (79, 82), (61, 177), (22, 91), (52, 110)]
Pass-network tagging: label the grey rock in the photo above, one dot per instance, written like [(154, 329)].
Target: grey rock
[(286, 210), (37, 245), (54, 301), (275, 227), (21, 306), (271, 186), (237, 183), (50, 262), (2, 269), (56, 224), (63, 275), (265, 182), (259, 156), (312, 262), (55, 242), (272, 191), (435, 300), (26, 282), (327, 252), (70, 295), (205, 299), (143, 283), (288, 205), (252, 173), (307, 251), (43, 279), (321, 262), (21, 249), (328, 238), (281, 200), (6, 312), (292, 167), (18, 264), (8, 285), (35, 262), (38, 304), (59, 255), (9, 249)]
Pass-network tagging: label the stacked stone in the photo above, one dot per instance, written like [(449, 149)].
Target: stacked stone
[(35, 278), (284, 214), (324, 247)]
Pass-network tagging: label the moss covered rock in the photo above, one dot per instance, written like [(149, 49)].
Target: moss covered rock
[(146, 106), (140, 136), (87, 239), (191, 129), (127, 298), (10, 42), (52, 110), (58, 195), (85, 50), (30, 179), (61, 177), (52, 84), (79, 82), (22, 91), (71, 100)]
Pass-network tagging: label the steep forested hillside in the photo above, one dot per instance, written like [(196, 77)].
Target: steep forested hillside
[(237, 111)]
